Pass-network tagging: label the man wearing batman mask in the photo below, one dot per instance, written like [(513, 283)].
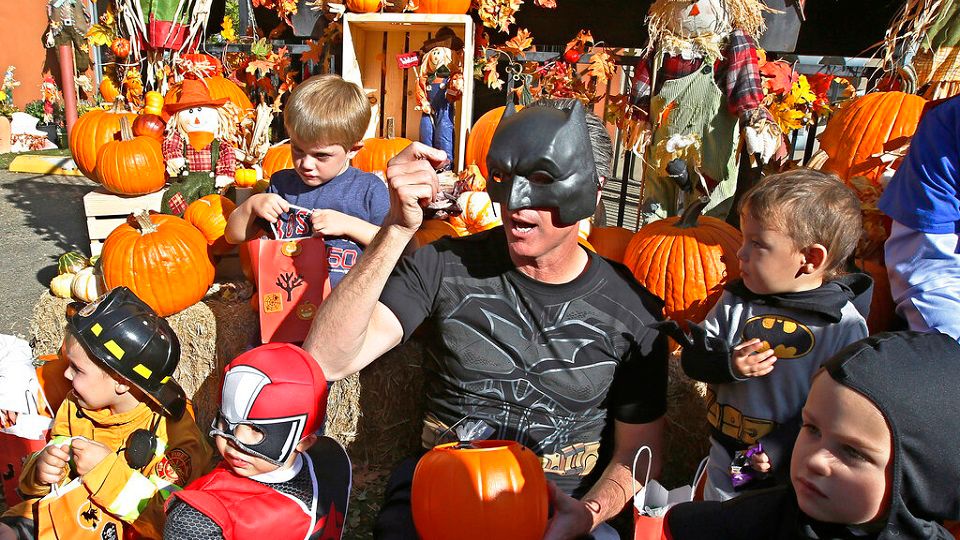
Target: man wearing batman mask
[(535, 338)]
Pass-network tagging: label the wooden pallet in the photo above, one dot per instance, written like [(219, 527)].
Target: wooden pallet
[(105, 211), (371, 42)]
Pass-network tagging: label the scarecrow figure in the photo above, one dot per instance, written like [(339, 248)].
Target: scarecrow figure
[(68, 25), (439, 85), (701, 71), (198, 154)]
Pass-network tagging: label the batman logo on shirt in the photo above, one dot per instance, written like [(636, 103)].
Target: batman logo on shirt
[(787, 337)]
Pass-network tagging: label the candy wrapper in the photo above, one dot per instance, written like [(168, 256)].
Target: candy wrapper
[(741, 473)]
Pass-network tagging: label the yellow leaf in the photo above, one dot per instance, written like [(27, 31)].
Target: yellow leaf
[(801, 93), (227, 32), (100, 34)]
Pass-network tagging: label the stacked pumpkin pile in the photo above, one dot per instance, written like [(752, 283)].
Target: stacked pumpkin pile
[(166, 260)]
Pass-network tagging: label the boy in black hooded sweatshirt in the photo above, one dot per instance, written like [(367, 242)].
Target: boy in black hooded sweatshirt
[(876, 458)]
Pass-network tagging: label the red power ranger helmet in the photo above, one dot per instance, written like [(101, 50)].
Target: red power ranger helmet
[(279, 390)]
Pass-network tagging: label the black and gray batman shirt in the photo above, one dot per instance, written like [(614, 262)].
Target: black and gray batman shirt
[(515, 358)]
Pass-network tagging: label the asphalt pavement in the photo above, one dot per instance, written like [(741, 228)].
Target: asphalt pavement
[(41, 217)]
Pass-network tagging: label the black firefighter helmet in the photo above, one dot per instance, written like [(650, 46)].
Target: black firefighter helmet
[(123, 333)]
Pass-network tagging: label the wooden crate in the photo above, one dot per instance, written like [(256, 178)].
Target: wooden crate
[(371, 42), (105, 211)]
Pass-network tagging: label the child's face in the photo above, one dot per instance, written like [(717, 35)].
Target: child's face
[(241, 463), (841, 466), (769, 264), (318, 163), (94, 387)]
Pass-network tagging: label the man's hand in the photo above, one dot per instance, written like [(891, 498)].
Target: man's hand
[(269, 206), (571, 518), (748, 362), (332, 223), (87, 454), (412, 178), (52, 464)]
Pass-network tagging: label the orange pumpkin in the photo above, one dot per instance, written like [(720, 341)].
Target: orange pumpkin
[(610, 242), (153, 103), (479, 490), (442, 6), (219, 86), (161, 258), (377, 152), (685, 260), (93, 130), (478, 213), (278, 157), (132, 165), (478, 141), (149, 125), (209, 215), (364, 6), (433, 229), (859, 130), (108, 89)]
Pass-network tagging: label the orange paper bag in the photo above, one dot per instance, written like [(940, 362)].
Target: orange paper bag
[(292, 280)]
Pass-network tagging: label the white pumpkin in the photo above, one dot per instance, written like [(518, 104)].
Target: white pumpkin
[(60, 285), (87, 286)]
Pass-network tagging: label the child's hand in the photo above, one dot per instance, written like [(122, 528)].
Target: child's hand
[(87, 454), (52, 464), (760, 462), (747, 362), (7, 418), (269, 206), (331, 223)]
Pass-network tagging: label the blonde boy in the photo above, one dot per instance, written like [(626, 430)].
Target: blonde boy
[(123, 429), (792, 309), (326, 118)]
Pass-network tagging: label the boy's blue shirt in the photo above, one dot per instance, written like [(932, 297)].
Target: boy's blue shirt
[(353, 192)]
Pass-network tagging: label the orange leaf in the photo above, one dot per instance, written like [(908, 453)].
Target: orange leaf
[(549, 4), (314, 53), (601, 67), (580, 42), (519, 43)]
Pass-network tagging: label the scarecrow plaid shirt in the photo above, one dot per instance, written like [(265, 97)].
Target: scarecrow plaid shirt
[(200, 160), (737, 75)]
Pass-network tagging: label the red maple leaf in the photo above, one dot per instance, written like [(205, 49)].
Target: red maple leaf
[(778, 77)]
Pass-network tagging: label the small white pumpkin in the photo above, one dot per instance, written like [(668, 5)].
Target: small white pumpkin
[(60, 285), (87, 285)]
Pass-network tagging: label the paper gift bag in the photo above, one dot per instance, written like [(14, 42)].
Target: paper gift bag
[(67, 513), (651, 503), (32, 429), (292, 280)]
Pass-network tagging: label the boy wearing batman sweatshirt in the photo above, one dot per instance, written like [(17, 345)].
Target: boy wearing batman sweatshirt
[(772, 329), (875, 460)]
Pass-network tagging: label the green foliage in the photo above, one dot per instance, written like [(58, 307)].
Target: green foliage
[(35, 109)]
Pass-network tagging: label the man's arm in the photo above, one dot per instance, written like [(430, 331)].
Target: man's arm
[(352, 327), (614, 489)]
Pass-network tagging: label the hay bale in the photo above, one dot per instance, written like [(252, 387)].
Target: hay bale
[(211, 333), (687, 431)]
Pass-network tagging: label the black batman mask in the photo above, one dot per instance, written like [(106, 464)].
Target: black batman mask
[(541, 157)]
